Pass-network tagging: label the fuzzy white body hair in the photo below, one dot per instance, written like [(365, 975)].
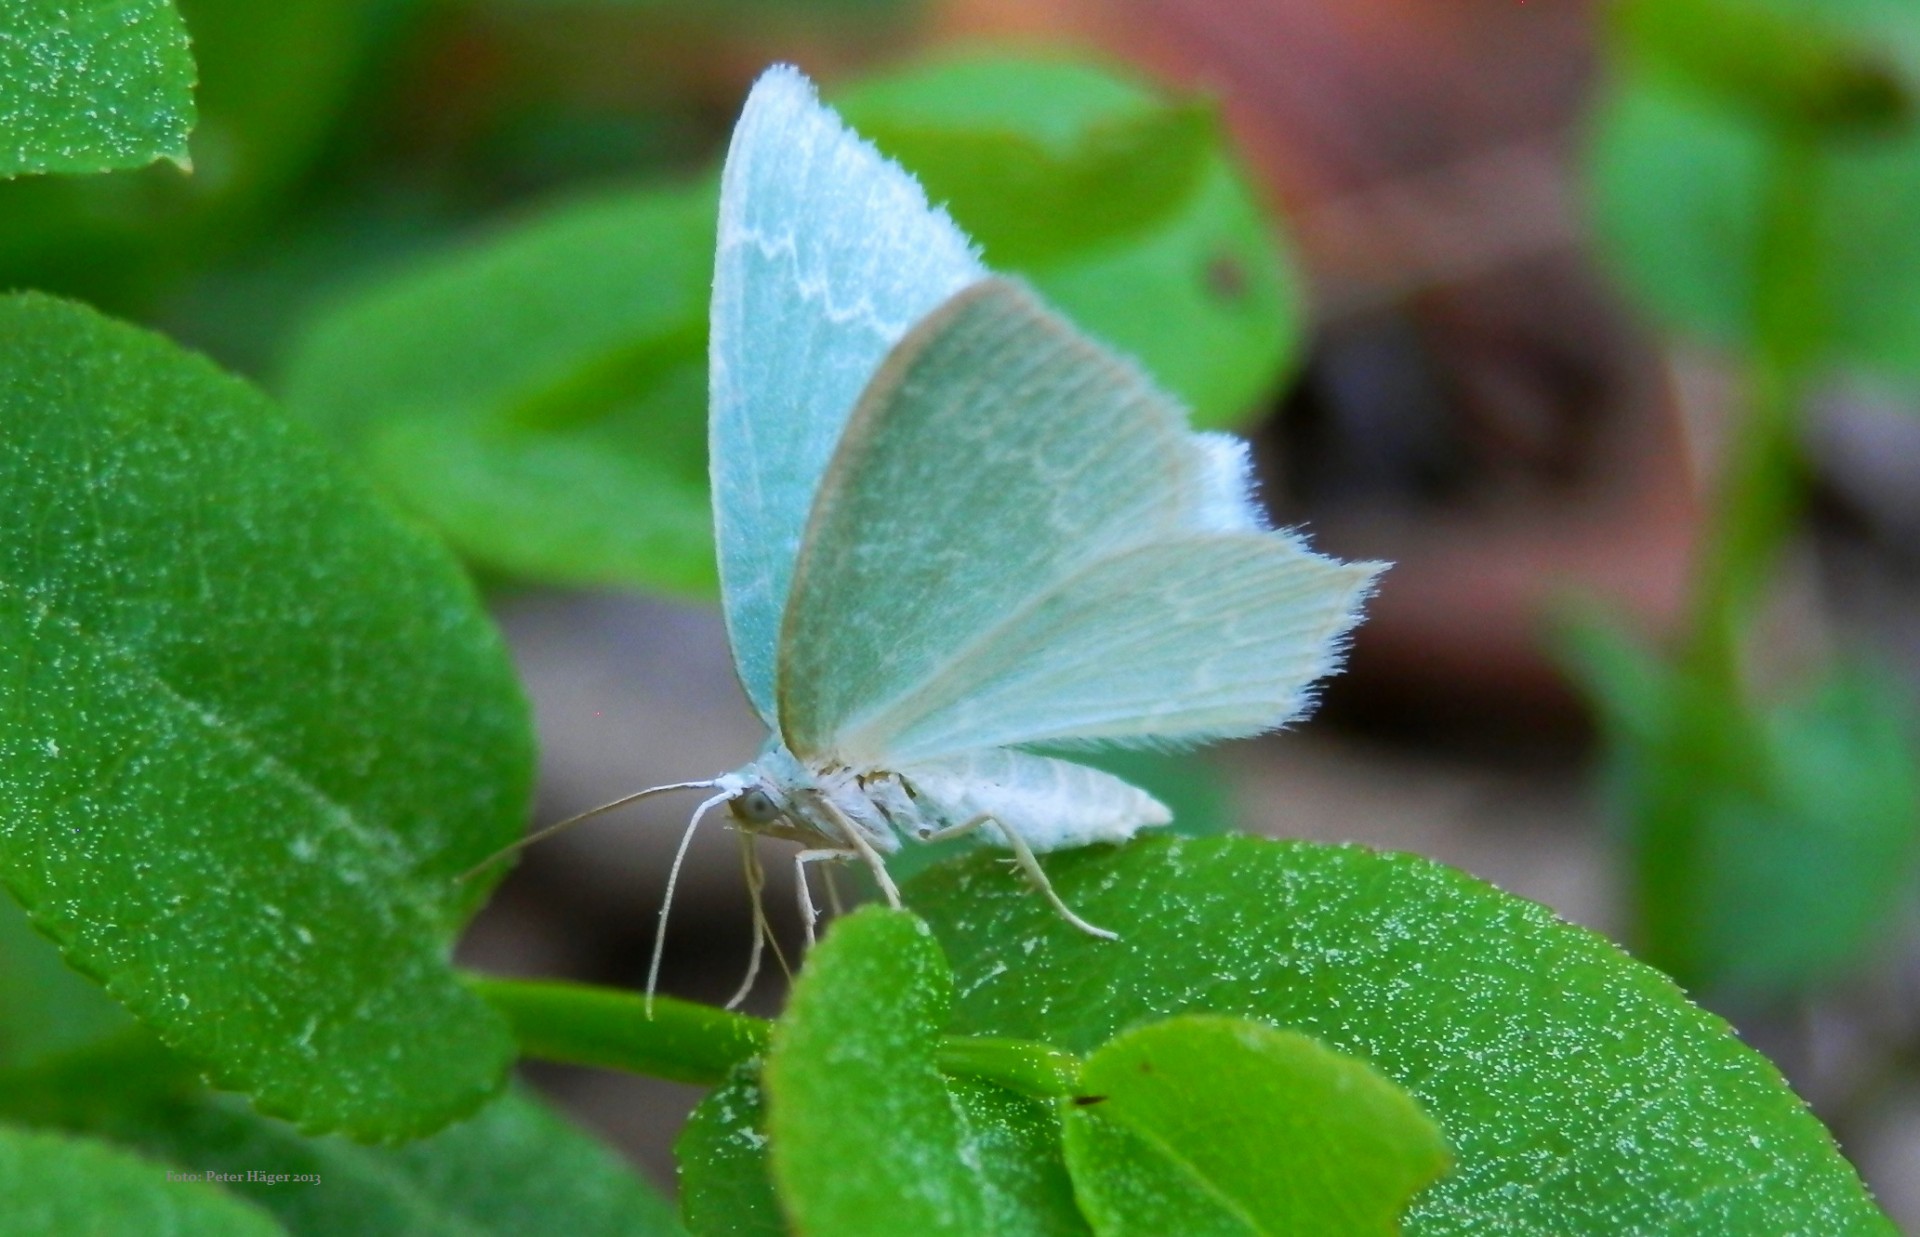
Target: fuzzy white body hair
[(1051, 804)]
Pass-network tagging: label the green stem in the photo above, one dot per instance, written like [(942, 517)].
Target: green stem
[(1038, 1070), (1760, 491), (580, 1024), (1758, 498), (585, 1025)]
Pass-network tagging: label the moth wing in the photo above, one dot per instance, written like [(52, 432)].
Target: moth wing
[(828, 252), (1020, 540), (1167, 643)]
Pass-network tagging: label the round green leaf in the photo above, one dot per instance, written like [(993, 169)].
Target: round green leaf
[(1679, 174), (1203, 1124), (254, 728), (92, 85), (52, 1185), (866, 1135), (1578, 1089)]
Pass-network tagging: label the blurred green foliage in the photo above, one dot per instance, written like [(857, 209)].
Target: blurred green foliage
[(1770, 848), (1785, 68), (540, 396), (274, 82), (1125, 208), (1756, 180), (56, 1183), (1703, 102)]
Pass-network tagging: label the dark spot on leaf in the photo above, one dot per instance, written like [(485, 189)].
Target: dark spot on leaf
[(1088, 1101), (1227, 278)]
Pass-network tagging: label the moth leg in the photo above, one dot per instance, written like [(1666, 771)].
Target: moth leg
[(864, 849), (950, 832), (809, 916), (1023, 854), (834, 903), (756, 881)]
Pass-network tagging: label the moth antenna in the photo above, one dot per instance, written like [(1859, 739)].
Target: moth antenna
[(673, 878), (571, 821)]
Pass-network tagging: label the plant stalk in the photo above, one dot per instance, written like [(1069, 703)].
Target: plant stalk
[(1755, 505), (580, 1024), (1759, 492)]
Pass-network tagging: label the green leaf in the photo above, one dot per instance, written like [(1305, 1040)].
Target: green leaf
[(540, 396), (726, 1186), (1123, 209), (254, 727), (1770, 852), (1204, 1124), (1578, 1089), (1016, 1139), (852, 1081), (514, 1167), (52, 1185), (1680, 174), (92, 85)]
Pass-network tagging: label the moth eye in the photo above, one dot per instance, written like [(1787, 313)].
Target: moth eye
[(756, 807)]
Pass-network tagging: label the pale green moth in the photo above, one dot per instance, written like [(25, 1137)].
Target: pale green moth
[(950, 526)]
